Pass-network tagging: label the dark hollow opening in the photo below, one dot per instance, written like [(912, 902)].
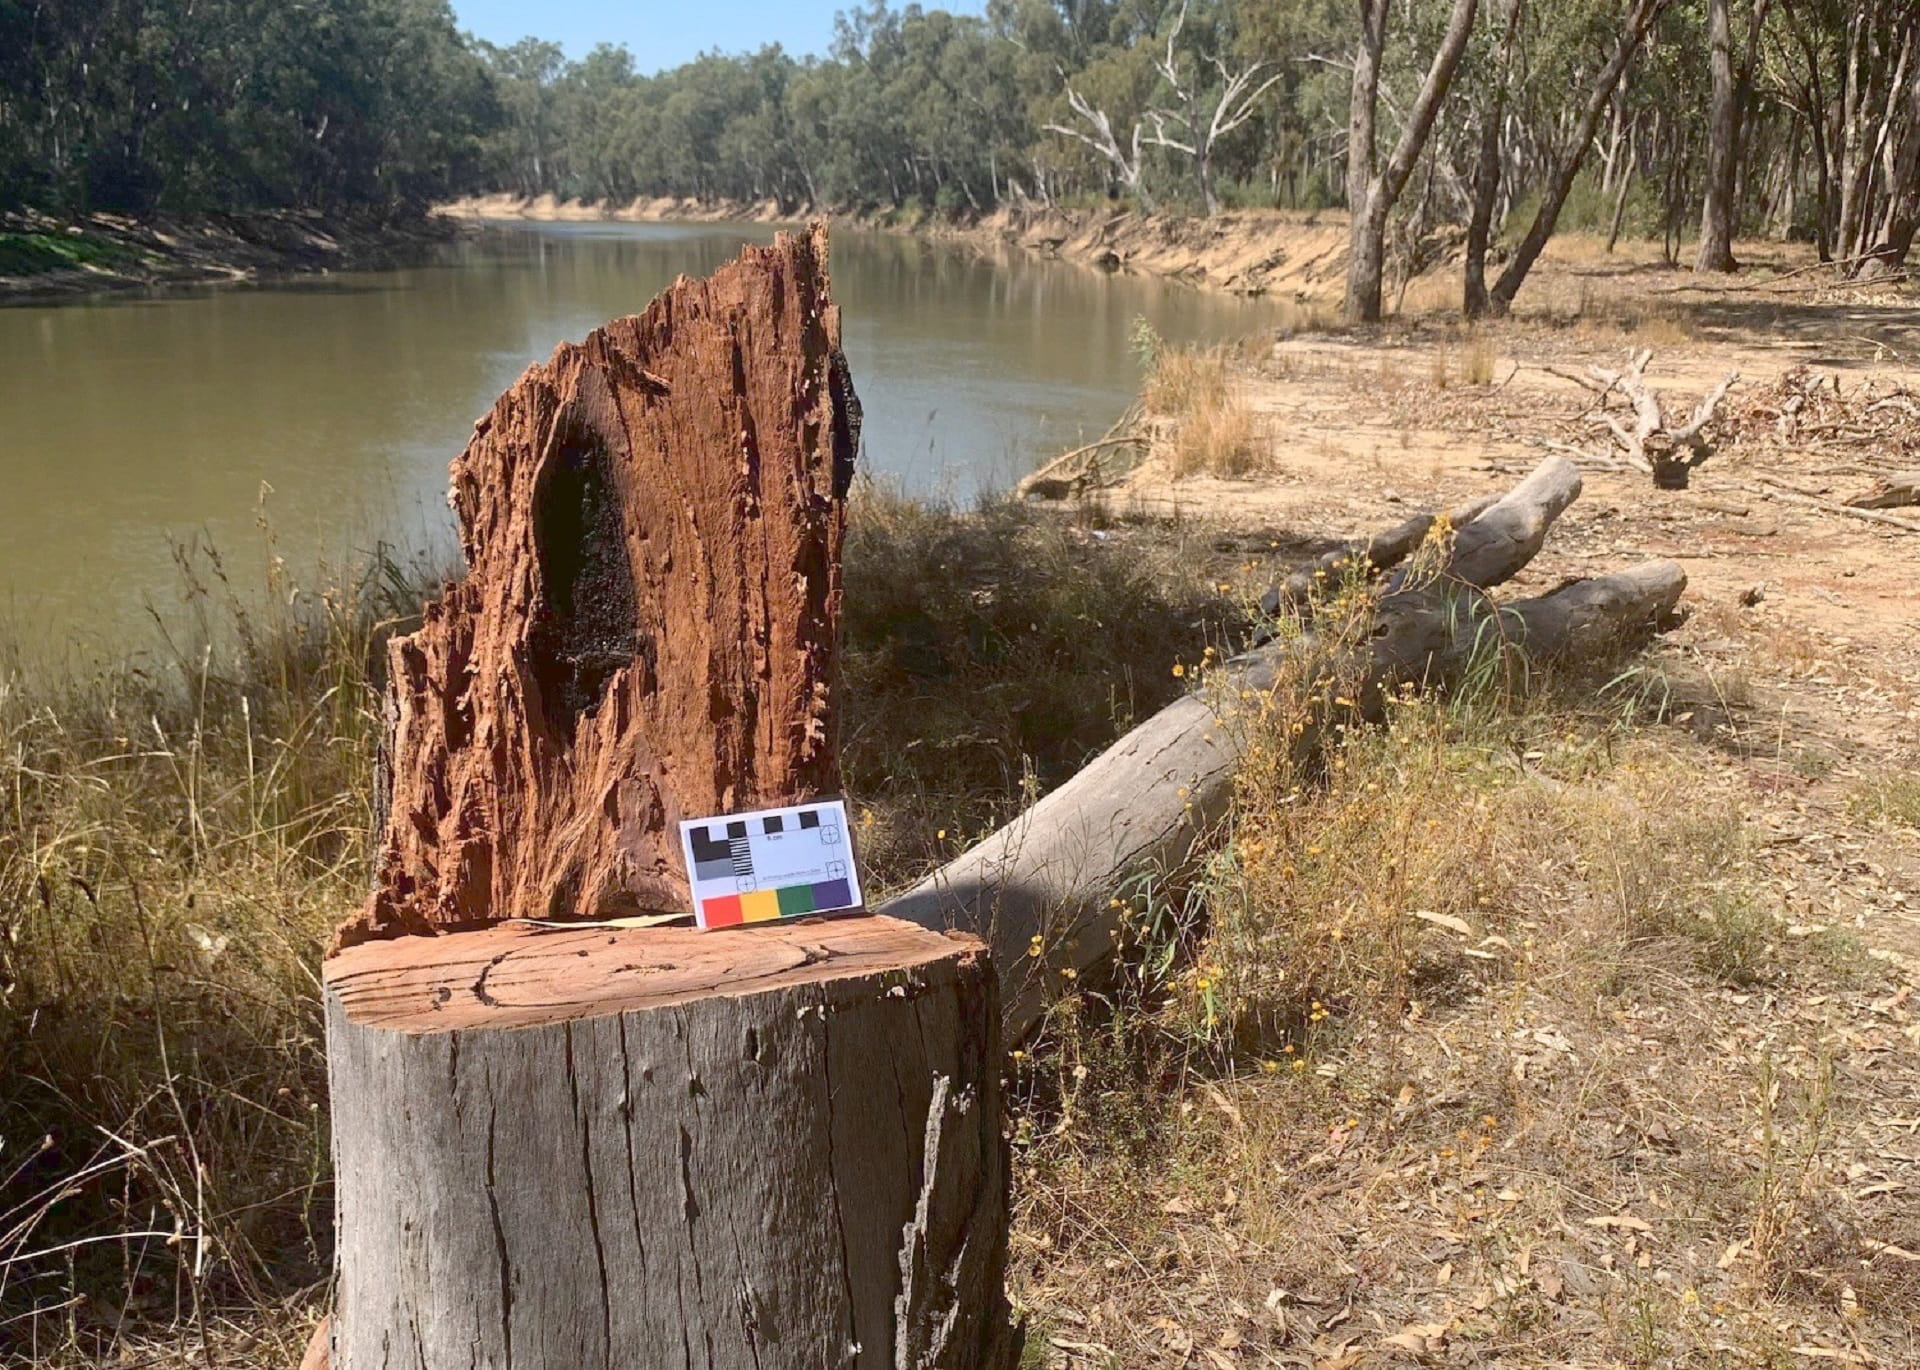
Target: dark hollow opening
[(584, 628)]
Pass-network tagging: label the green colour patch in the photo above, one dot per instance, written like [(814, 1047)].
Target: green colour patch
[(796, 899)]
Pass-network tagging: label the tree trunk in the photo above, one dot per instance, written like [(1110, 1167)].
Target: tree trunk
[(1203, 166), (1620, 196), (1723, 153), (1486, 175), (1363, 256), (1640, 16), (1368, 237), (1045, 890), (567, 1146), (1903, 201), (1855, 161), (648, 1148), (652, 524)]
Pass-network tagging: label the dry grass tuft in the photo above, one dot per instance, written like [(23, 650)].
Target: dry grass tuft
[(1212, 431), (179, 834), (1892, 797)]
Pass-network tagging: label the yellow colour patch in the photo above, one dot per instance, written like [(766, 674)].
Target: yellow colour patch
[(761, 906)]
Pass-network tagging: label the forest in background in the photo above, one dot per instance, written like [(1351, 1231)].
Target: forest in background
[(1444, 125)]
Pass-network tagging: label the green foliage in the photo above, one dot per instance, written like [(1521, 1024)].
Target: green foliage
[(29, 254), (206, 105)]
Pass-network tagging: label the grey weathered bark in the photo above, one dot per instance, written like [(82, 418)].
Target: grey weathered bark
[(1103, 141), (1666, 450), (644, 1148), (1903, 201), (1486, 173), (1891, 492), (1042, 890), (1717, 214), (1371, 200), (1640, 16), (1363, 114)]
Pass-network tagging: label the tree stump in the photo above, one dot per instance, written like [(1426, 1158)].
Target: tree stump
[(559, 1147), (632, 1148)]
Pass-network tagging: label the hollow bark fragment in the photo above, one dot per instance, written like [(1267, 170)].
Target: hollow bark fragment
[(652, 523)]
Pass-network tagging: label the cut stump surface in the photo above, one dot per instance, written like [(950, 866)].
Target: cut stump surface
[(642, 1148)]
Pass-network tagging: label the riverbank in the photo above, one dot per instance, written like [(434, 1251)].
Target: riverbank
[(47, 257), (1563, 1019), (1246, 252)]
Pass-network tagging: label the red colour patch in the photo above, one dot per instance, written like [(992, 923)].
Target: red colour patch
[(723, 912)]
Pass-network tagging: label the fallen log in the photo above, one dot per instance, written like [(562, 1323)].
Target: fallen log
[(1075, 472), (1891, 492), (1042, 890), (1850, 510), (1365, 558)]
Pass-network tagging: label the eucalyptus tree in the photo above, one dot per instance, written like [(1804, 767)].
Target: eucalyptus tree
[(1207, 90), (525, 146), (198, 105), (1372, 185), (1733, 70)]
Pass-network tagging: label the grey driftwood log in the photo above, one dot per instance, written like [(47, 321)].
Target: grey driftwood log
[(1150, 800), (776, 1149)]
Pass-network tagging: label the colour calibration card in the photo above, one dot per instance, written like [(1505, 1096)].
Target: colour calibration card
[(770, 864)]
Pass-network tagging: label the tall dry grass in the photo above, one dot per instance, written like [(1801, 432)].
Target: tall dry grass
[(177, 833), (1451, 997), (1192, 391)]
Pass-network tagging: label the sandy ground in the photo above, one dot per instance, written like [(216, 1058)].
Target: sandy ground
[(1363, 431)]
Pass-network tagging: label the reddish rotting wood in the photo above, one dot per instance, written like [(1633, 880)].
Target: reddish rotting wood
[(652, 523)]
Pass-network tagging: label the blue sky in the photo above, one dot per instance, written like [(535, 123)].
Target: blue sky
[(665, 33)]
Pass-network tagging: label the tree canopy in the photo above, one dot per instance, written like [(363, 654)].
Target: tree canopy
[(1488, 123)]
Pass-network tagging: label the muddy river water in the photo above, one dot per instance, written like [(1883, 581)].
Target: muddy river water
[(313, 419)]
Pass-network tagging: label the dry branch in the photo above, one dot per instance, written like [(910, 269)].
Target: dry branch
[(1893, 492), (1149, 801), (1073, 472), (1835, 507), (1651, 443), (1365, 557)]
